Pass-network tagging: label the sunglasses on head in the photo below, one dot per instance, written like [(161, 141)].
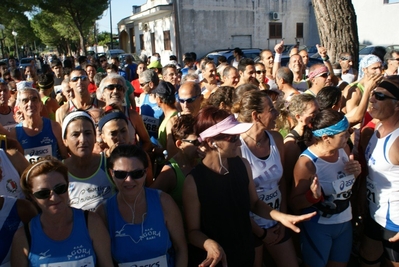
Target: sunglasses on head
[(193, 142), (260, 71), (112, 87), (122, 175), (76, 78), (228, 137), (188, 100), (381, 97), (45, 193)]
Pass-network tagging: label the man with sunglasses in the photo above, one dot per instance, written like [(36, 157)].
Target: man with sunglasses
[(82, 100), (382, 226), (103, 64), (392, 61), (349, 74), (318, 78)]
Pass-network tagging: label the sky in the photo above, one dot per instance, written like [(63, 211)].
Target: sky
[(120, 9)]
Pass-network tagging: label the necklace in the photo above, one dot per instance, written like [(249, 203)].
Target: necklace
[(258, 143)]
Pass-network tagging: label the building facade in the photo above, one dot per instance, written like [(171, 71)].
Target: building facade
[(179, 26)]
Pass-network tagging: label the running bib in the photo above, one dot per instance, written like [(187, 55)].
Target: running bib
[(343, 187), (155, 262), (87, 262), (271, 197), (151, 124), (35, 153), (372, 196)]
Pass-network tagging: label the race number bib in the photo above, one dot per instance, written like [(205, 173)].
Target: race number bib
[(372, 196), (343, 187), (158, 262), (271, 197), (87, 262), (35, 153)]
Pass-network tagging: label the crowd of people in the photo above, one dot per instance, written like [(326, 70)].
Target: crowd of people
[(239, 163)]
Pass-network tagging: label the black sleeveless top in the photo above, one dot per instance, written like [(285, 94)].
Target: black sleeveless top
[(225, 207), (299, 140)]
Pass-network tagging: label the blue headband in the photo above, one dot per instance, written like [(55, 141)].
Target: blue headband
[(111, 116), (337, 128)]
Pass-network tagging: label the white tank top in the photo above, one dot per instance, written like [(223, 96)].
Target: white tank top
[(266, 174), (335, 183), (383, 181), (9, 183)]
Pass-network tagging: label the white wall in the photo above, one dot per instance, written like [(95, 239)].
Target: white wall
[(377, 22)]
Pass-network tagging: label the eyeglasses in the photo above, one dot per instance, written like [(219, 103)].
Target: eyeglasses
[(143, 84), (381, 97), (324, 75), (193, 142), (122, 175), (260, 71), (45, 193), (112, 87), (188, 100), (228, 137), (76, 78), (397, 59)]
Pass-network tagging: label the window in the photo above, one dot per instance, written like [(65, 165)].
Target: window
[(166, 40), (299, 30), (142, 46), (275, 30), (391, 1), (153, 43)]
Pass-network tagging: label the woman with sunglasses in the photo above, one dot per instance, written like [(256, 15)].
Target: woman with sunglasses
[(324, 175), (145, 225), (219, 193), (39, 137), (59, 235), (260, 75), (263, 148), (172, 176), (113, 90), (89, 183)]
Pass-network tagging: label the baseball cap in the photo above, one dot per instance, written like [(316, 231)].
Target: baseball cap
[(165, 90), (155, 65)]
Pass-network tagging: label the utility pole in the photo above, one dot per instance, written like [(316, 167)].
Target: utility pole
[(110, 23)]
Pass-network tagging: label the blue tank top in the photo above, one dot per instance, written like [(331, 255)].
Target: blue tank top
[(76, 250), (146, 243), (9, 224), (152, 116), (39, 146)]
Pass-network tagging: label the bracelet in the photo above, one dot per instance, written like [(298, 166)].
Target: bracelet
[(325, 58), (311, 199), (277, 57), (264, 234)]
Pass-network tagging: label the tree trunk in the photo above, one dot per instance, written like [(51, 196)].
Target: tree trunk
[(336, 22)]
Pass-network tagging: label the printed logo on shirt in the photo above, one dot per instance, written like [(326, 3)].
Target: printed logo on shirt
[(88, 196), (146, 234), (79, 252), (44, 255), (46, 140), (11, 186)]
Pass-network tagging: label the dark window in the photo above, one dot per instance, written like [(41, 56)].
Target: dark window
[(391, 1), (275, 30), (142, 46), (166, 40), (153, 42), (299, 30)]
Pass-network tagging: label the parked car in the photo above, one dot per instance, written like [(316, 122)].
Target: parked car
[(112, 53), (378, 50), (122, 58), (24, 62), (228, 53)]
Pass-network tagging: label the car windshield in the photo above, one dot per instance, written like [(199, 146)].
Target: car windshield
[(366, 51), (25, 60)]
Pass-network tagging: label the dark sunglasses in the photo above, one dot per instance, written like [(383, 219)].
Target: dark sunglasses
[(143, 84), (103, 60), (122, 175), (193, 142), (397, 59), (112, 87), (324, 75), (260, 71), (45, 193), (228, 137), (381, 97), (188, 100), (76, 78)]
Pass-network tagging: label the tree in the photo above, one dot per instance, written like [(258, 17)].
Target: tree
[(83, 14), (336, 22)]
